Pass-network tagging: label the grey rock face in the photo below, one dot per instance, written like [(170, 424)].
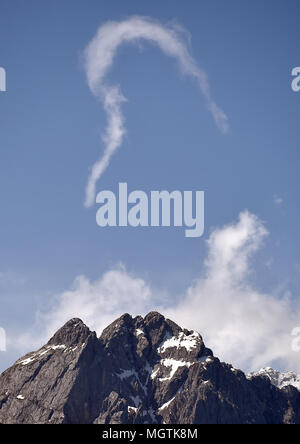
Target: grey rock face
[(141, 370)]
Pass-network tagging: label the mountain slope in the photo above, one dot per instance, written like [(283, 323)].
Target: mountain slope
[(277, 378), (141, 370)]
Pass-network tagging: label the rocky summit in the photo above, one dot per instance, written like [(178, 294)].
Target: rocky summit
[(140, 371)]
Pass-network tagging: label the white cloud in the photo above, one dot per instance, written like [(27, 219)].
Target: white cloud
[(99, 57), (96, 303), (243, 326)]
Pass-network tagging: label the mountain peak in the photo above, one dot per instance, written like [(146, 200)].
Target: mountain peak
[(73, 332), (154, 317), (278, 379), (143, 370)]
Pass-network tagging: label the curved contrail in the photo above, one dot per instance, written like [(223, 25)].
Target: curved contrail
[(99, 57)]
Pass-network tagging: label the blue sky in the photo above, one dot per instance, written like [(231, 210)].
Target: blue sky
[(50, 136)]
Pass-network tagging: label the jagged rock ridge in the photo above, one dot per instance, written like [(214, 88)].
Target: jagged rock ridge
[(277, 378), (140, 370)]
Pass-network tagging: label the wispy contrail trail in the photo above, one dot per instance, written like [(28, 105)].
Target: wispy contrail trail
[(99, 57)]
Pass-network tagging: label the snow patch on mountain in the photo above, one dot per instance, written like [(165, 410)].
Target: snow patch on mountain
[(189, 342), (173, 365), (44, 351)]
